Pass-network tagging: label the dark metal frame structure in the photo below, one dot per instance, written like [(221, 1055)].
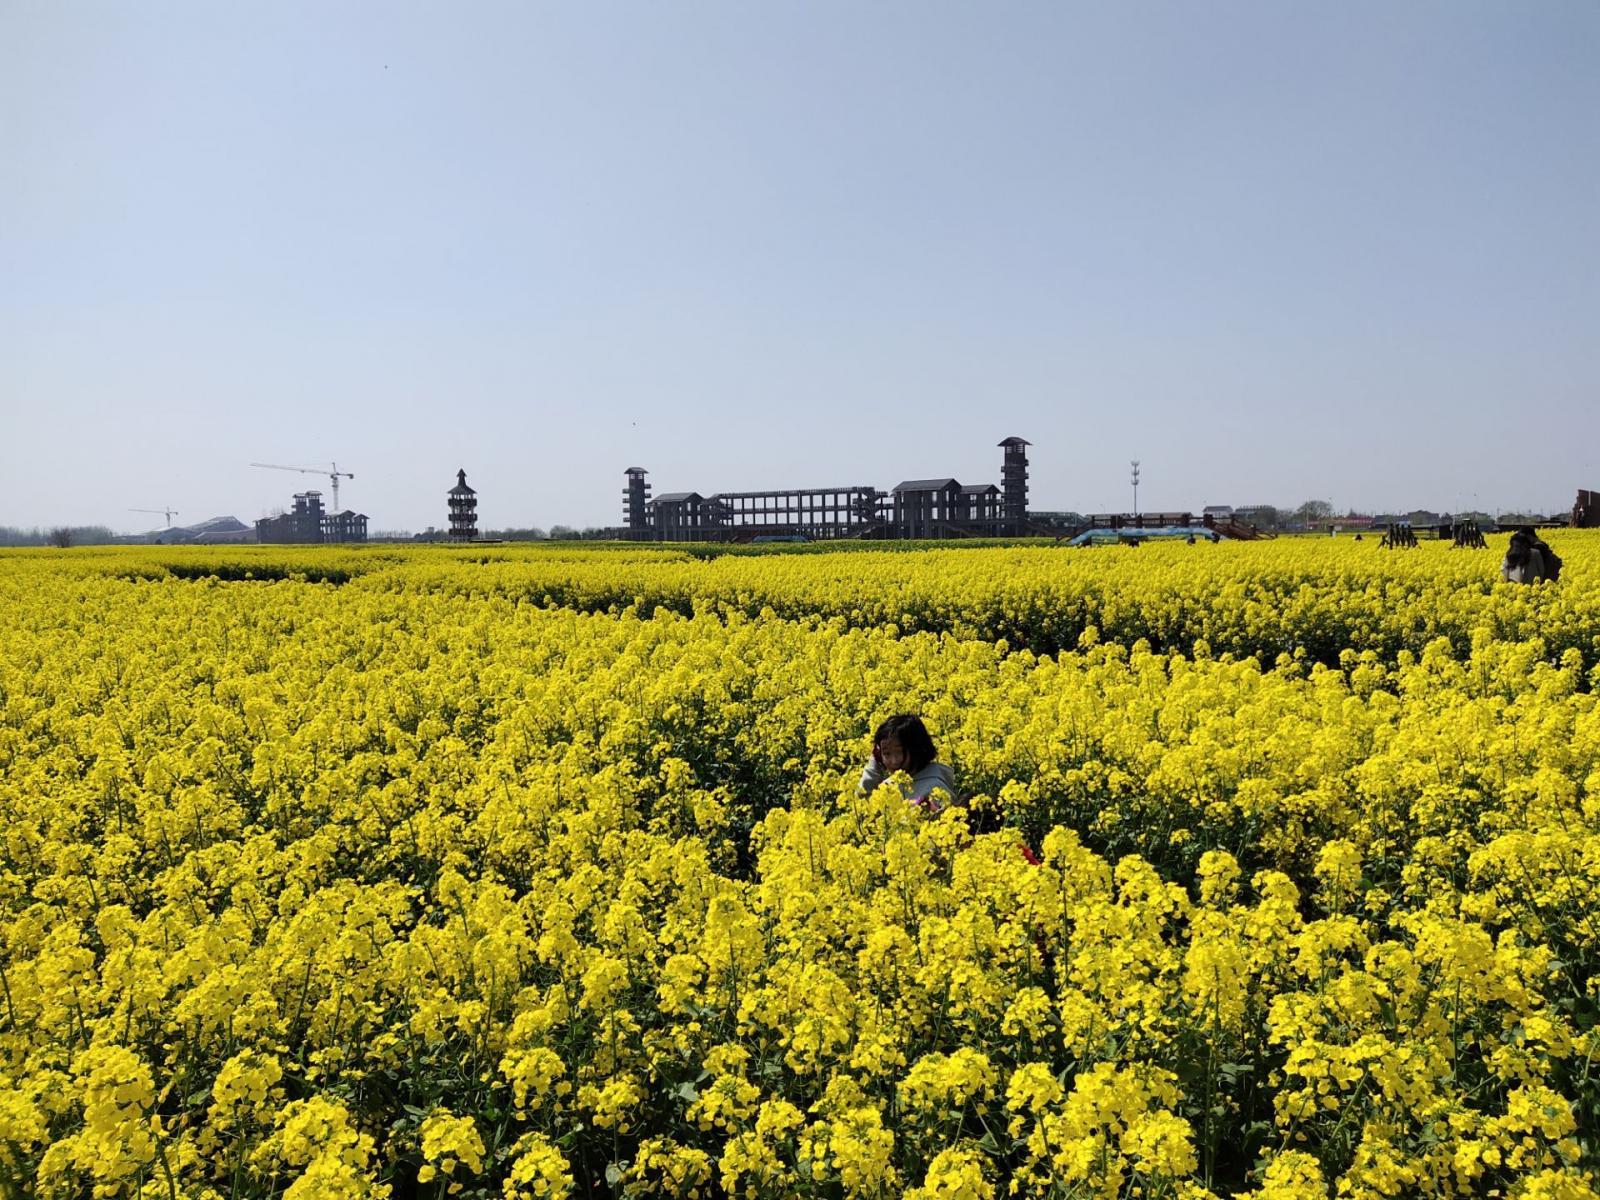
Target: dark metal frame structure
[(915, 508), (309, 524), (1586, 510), (463, 502)]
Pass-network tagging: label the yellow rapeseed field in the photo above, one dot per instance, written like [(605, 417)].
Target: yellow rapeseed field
[(513, 872)]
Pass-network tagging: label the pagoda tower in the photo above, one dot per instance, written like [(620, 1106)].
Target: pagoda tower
[(1014, 484), (463, 510), (636, 505)]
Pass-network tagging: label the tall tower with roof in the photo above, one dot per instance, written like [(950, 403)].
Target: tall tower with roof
[(636, 505), (1014, 484), (463, 510)]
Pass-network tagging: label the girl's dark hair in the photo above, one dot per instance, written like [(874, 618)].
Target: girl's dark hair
[(913, 737), (1520, 548)]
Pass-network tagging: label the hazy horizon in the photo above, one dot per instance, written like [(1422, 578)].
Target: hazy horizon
[(135, 528), (1277, 253)]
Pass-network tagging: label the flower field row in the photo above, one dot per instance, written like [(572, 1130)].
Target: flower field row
[(1313, 597), (405, 887)]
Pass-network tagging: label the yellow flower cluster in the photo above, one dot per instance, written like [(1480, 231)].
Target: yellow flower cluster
[(1311, 597), (518, 873)]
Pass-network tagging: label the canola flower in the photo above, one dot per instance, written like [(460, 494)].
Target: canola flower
[(386, 872), (1306, 597)]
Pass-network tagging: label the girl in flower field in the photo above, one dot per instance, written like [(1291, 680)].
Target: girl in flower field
[(902, 743), (1528, 559)]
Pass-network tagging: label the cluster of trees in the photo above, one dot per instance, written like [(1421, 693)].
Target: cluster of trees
[(60, 535), (1319, 512), (1270, 516)]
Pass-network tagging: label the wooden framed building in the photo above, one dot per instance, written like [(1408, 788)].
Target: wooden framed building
[(1586, 510), (636, 503), (301, 525), (1014, 481), (981, 506), (346, 526), (685, 517), (817, 513), (915, 508), (462, 502), (308, 524), (922, 506)]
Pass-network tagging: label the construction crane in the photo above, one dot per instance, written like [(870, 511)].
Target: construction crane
[(168, 513), (333, 474)]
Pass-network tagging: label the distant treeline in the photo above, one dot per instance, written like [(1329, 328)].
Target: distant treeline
[(532, 533), (61, 535)]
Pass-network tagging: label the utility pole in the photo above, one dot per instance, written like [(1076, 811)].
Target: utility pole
[(1135, 465)]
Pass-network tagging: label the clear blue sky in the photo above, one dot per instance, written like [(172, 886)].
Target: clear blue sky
[(1277, 251)]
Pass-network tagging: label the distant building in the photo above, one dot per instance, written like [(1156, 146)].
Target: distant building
[(681, 516), (344, 526), (1014, 478), (463, 510), (301, 525), (1586, 510), (224, 537), (1218, 512), (980, 503), (1257, 514), (915, 508), (636, 503), (1352, 521), (308, 525), (921, 505)]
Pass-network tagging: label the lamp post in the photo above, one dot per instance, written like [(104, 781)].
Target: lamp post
[(1135, 465)]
